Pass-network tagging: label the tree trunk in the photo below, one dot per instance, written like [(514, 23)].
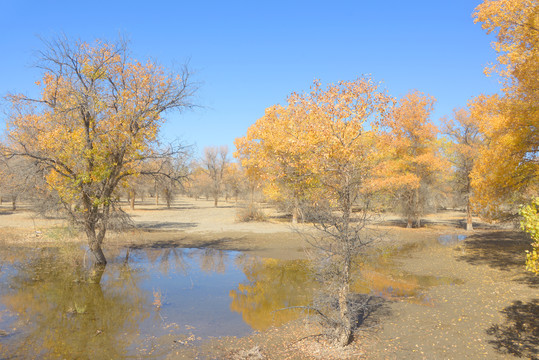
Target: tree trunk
[(14, 202), (94, 242), (168, 197), (345, 331), (132, 199), (409, 223), (98, 253), (469, 221), (295, 211)]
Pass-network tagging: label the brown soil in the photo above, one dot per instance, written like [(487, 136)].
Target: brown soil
[(490, 314)]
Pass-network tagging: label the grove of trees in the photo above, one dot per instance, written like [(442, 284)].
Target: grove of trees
[(328, 153), (332, 156)]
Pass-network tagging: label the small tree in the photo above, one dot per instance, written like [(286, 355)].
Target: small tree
[(167, 171), (414, 161), (273, 155), (199, 183), (215, 162), (345, 117), (21, 178), (96, 122), (235, 181), (325, 141), (530, 224), (462, 152)]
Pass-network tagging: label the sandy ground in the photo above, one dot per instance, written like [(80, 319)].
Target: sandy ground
[(491, 313)]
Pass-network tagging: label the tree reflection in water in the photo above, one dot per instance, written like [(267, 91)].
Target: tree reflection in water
[(65, 310), (272, 285)]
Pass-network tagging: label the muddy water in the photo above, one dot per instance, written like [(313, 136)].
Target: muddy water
[(150, 301)]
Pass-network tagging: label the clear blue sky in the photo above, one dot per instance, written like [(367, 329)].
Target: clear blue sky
[(249, 55)]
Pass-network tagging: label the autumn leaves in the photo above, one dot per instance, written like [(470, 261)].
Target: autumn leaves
[(94, 126), (349, 134), (354, 134)]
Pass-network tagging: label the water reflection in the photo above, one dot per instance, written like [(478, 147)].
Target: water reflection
[(381, 276), (62, 310), (451, 239), (272, 285), (54, 305)]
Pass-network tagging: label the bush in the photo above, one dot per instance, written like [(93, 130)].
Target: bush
[(250, 213)]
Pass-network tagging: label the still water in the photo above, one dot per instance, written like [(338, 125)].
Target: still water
[(54, 304)]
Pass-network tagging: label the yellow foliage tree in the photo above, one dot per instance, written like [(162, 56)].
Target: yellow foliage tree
[(462, 150), (97, 120), (321, 148), (273, 151), (508, 168), (530, 224), (412, 161)]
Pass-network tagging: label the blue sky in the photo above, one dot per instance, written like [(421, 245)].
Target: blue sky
[(249, 55)]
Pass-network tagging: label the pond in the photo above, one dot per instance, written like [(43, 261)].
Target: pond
[(54, 304)]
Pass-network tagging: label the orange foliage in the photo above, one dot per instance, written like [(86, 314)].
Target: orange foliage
[(507, 169), (317, 141), (412, 152)]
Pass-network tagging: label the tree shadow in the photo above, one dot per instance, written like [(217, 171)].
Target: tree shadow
[(161, 207), (502, 250), (164, 225), (519, 335), (367, 310), (425, 223)]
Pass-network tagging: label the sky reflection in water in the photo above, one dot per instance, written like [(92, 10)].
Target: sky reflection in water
[(148, 300)]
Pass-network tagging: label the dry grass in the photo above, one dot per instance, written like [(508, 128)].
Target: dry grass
[(250, 213)]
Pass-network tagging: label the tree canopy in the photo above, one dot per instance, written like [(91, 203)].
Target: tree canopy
[(96, 122)]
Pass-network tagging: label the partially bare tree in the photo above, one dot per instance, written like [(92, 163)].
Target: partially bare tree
[(170, 172), (341, 239), (95, 125), (215, 162), (22, 179), (465, 140)]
